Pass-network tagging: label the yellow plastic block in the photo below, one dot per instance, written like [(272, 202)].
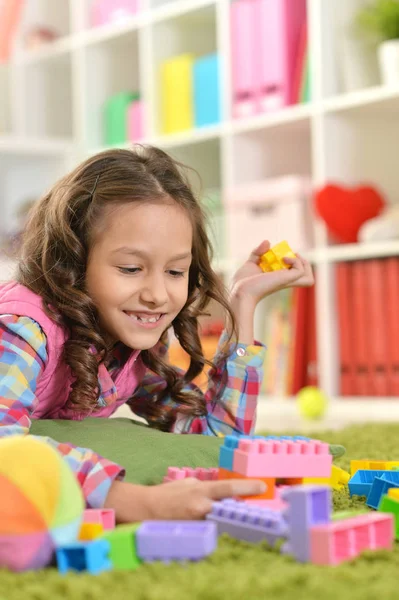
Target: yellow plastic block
[(394, 493), (177, 95), (338, 480), (272, 260), (90, 531), (373, 465)]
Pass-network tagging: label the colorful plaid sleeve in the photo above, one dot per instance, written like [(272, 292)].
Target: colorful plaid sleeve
[(22, 359), (233, 384)]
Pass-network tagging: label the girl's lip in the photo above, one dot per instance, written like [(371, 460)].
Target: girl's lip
[(145, 325)]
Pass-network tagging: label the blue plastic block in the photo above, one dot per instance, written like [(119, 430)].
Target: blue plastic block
[(206, 90), (84, 556), (226, 454), (380, 487), (361, 482), (308, 505), (248, 522)]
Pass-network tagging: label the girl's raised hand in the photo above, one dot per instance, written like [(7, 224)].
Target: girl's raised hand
[(251, 283)]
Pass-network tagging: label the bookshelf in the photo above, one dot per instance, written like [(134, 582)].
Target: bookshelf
[(51, 118)]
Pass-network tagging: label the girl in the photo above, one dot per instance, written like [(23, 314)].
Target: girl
[(113, 257)]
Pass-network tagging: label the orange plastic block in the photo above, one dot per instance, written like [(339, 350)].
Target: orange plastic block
[(338, 541), (272, 260), (338, 480), (282, 458), (373, 465), (270, 482), (90, 531)]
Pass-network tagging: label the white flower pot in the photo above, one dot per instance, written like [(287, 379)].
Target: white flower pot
[(388, 57)]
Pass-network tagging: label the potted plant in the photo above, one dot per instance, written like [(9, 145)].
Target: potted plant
[(379, 21)]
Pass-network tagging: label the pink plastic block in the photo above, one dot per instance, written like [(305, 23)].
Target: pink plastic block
[(277, 36), (243, 57), (103, 516), (110, 11), (135, 121), (272, 458), (338, 541), (176, 473)]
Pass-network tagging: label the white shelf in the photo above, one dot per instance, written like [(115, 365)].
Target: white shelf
[(53, 114)]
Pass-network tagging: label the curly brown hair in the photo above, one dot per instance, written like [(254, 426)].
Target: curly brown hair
[(54, 255)]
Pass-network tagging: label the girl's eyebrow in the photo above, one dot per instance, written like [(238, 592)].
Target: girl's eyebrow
[(136, 252)]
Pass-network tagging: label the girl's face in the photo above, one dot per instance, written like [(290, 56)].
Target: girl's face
[(137, 271)]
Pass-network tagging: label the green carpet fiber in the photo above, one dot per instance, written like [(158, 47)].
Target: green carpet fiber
[(238, 570)]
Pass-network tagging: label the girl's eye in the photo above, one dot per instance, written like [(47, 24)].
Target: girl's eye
[(176, 273), (129, 270)]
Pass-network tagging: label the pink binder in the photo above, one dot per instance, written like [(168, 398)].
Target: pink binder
[(279, 24), (243, 14), (135, 119)]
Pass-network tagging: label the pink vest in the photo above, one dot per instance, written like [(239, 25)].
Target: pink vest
[(54, 384)]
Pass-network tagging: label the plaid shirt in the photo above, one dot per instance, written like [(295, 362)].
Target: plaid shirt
[(23, 357)]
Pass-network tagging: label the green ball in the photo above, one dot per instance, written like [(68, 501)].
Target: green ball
[(312, 402)]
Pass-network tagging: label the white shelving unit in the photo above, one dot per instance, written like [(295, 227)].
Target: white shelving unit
[(51, 113)]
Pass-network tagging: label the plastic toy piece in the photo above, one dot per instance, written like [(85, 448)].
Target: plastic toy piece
[(176, 473), (338, 481), (308, 506), (104, 516), (175, 540), (394, 494), (282, 459), (123, 546), (272, 260), (373, 465), (270, 482), (380, 486), (336, 542), (361, 482), (84, 556), (390, 505), (90, 531), (247, 522)]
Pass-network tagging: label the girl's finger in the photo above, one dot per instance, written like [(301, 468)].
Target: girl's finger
[(258, 251)]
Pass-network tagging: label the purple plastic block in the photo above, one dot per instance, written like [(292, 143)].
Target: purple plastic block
[(247, 522), (175, 540), (308, 505)]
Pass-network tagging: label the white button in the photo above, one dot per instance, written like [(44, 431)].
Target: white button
[(240, 351)]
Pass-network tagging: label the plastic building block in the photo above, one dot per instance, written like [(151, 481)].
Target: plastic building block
[(393, 493), (104, 516), (272, 260), (84, 556), (360, 483), (308, 506), (336, 542), (247, 522), (390, 505), (175, 540), (123, 546), (282, 459), (380, 486), (338, 481), (176, 473), (373, 465), (270, 482), (90, 531), (226, 453)]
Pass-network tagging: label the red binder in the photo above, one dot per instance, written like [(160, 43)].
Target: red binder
[(299, 335), (344, 296), (376, 323), (311, 354), (392, 317), (359, 321)]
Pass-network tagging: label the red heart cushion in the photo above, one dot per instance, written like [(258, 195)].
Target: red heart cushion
[(345, 210)]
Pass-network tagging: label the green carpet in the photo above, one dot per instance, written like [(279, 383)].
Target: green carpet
[(239, 570)]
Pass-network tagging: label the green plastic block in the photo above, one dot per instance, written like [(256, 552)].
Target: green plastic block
[(122, 540), (115, 117), (389, 505)]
